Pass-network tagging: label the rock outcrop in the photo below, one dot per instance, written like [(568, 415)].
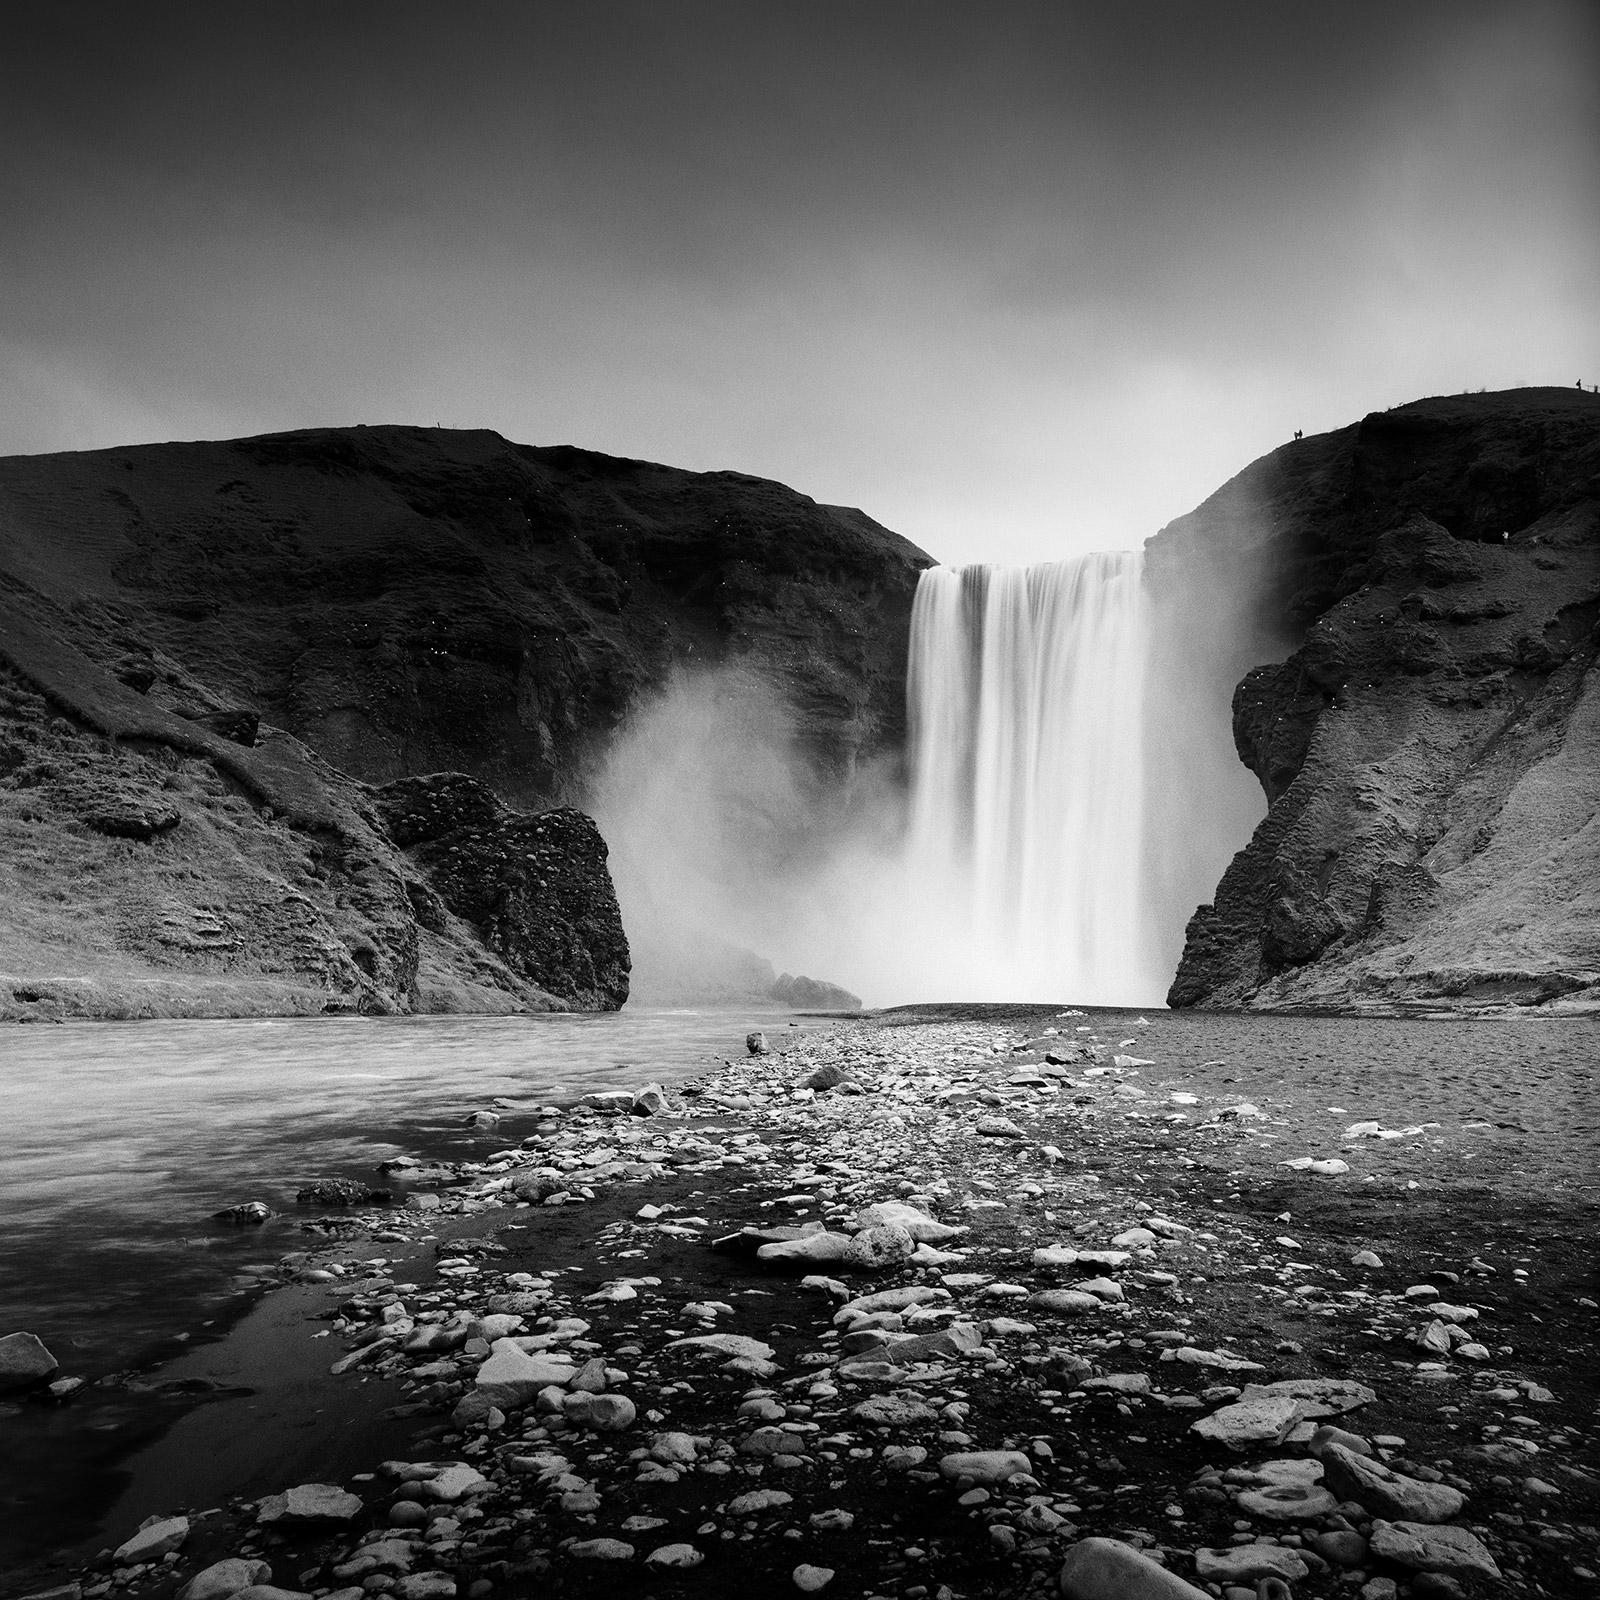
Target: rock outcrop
[(149, 866), (1430, 750)]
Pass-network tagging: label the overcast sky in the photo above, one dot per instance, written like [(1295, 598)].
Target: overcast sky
[(1018, 279)]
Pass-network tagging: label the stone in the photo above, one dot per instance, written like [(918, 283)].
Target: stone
[(600, 1413), (271, 1591), (876, 1248), (1286, 1502), (341, 1192), (1318, 1397), (600, 1550), (1108, 1569), (1426, 1548), (893, 1411), (1327, 1434), (452, 1482), (828, 1077), (807, 1249), (923, 1228), (673, 1449), (674, 1557), (158, 1537), (1244, 1563), (756, 1044), (1342, 1547), (758, 1500), (984, 1466), (809, 1579), (511, 1376), (999, 1128), (1065, 1302), (248, 1213), (1388, 1493), (223, 1579), (1121, 1383), (309, 1502), (651, 1101), (24, 1361), (1249, 1422)]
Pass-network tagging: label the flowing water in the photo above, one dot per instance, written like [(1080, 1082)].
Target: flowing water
[(1026, 703), (119, 1140)]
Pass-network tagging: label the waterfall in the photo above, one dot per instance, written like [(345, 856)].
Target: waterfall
[(1026, 701)]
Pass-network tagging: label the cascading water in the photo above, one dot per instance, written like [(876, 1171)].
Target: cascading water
[(1026, 701)]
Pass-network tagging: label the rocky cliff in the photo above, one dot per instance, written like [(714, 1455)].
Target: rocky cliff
[(223, 667), (409, 600), (1430, 747)]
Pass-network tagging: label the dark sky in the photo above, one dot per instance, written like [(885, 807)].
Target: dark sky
[(1018, 279)]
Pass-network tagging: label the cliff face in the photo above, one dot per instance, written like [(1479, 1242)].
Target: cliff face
[(1430, 753), (224, 665), (411, 600)]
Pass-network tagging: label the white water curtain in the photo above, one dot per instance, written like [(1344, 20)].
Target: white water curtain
[(1026, 700)]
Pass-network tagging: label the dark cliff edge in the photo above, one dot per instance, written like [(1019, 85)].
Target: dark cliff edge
[(294, 724), (1430, 747)]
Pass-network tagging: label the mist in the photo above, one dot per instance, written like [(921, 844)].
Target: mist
[(735, 858)]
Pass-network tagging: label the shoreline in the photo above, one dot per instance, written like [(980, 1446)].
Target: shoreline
[(927, 1087)]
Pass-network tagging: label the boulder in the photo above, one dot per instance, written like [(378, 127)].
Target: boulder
[(224, 1579), (309, 1502), (984, 1466), (1108, 1569), (1245, 1563), (1385, 1492), (510, 1376), (1424, 1547), (158, 1537), (1251, 1422), (24, 1361)]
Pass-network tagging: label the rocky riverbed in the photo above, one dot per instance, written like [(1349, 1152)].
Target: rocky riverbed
[(931, 1306)]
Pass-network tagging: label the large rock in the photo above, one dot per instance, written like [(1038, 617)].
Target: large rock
[(158, 1537), (1384, 1491), (1429, 747), (1425, 1548), (24, 1361), (1265, 1420), (1108, 1569), (535, 888), (511, 1376), (224, 1579)]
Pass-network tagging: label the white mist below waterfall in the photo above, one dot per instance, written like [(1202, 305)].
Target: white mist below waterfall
[(1025, 846)]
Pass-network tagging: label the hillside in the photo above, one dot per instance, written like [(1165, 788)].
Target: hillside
[(1430, 747), (225, 668)]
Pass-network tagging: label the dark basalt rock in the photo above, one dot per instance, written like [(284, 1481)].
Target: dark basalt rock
[(1430, 749), (536, 888)]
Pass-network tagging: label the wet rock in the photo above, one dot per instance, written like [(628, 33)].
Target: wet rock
[(341, 1192), (158, 1537), (809, 1579), (1108, 1569), (1388, 1493), (1426, 1548), (248, 1213), (24, 1361), (756, 1044)]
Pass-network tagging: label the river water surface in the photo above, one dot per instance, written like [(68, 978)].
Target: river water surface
[(119, 1140)]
